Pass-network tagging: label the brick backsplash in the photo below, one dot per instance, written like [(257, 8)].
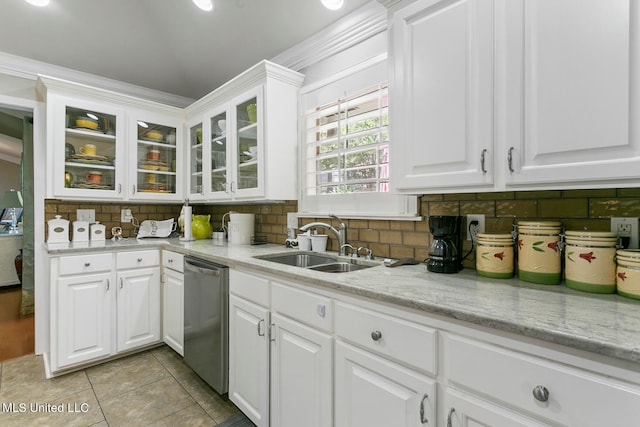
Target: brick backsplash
[(577, 209)]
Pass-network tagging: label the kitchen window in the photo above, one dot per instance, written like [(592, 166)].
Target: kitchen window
[(348, 144), (346, 147)]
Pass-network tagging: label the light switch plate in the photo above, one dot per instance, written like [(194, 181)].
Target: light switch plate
[(125, 215), (292, 220), (88, 215)]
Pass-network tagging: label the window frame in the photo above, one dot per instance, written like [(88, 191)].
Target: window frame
[(371, 205)]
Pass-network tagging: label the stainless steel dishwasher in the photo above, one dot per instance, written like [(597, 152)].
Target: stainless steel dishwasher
[(206, 321)]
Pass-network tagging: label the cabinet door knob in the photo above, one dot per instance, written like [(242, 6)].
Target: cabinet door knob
[(108, 284), (376, 335), (87, 264), (121, 283), (541, 393), (139, 259)]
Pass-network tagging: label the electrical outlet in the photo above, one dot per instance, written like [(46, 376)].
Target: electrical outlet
[(125, 215), (627, 228), (472, 228)]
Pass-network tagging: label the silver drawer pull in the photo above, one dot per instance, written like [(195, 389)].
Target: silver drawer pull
[(170, 261), (376, 335), (87, 264), (450, 416), (139, 259), (541, 393)]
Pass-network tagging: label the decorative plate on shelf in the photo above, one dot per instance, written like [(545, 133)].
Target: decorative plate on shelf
[(154, 165), (88, 157), (146, 138), (92, 186)]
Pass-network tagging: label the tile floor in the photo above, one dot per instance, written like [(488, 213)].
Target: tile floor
[(151, 388)]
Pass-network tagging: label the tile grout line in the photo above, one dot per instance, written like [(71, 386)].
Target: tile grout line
[(104, 417), (215, 421)]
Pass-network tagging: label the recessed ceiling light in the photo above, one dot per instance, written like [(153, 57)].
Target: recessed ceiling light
[(332, 4), (39, 3), (206, 5)]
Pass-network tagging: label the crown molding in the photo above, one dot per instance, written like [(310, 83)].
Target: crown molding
[(30, 69), (361, 24), (244, 81)]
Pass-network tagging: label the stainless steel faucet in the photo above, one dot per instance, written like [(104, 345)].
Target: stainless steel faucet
[(340, 232)]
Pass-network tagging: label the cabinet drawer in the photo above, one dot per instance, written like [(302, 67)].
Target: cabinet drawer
[(250, 287), (405, 341), (307, 307), (575, 397), (90, 263), (135, 259), (173, 261)]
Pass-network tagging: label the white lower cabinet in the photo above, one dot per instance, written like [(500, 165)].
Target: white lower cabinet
[(464, 410), (374, 392), (138, 307), (380, 366), (102, 304), (249, 358), (552, 392), (280, 352), (173, 300), (84, 316), (301, 358)]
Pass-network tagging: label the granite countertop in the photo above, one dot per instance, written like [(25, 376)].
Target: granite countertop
[(604, 324)]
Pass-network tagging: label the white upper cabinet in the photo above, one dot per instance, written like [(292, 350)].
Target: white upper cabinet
[(514, 94), (98, 147), (243, 137), (441, 95), (155, 157), (568, 90)]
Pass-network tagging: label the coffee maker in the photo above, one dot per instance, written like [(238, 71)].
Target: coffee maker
[(445, 251)]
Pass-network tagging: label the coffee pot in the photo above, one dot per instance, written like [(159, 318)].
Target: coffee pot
[(445, 251)]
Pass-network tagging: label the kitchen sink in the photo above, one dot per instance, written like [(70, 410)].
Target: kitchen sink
[(339, 267), (317, 262), (303, 260)]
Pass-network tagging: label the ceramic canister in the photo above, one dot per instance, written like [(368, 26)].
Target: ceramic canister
[(590, 261), (58, 230), (494, 255), (97, 232), (539, 252), (628, 273), (80, 231)]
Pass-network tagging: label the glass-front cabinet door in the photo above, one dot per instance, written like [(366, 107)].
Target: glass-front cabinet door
[(219, 187), (89, 145), (156, 159), (196, 168), (248, 150)]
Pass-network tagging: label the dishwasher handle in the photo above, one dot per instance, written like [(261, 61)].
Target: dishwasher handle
[(203, 270)]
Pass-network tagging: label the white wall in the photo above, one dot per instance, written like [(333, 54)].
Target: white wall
[(9, 176)]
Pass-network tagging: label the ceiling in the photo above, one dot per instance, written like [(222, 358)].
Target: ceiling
[(166, 45)]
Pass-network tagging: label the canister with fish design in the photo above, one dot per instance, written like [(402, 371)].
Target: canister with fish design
[(590, 264), (494, 255), (539, 252), (628, 273)]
